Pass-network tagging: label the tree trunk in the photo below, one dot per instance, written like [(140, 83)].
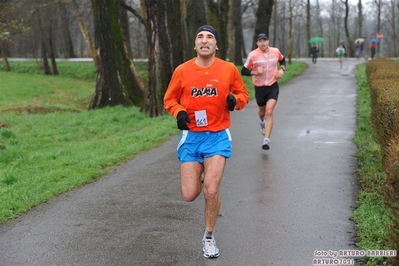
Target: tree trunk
[(218, 16), (263, 15), (43, 49), (308, 25), (290, 33), (348, 37), (125, 27), (51, 48), (86, 34), (66, 33), (196, 17), (175, 32), (170, 30), (162, 21), (379, 7), (152, 50), (3, 43), (116, 82), (238, 36), (3, 52), (360, 18), (393, 26)]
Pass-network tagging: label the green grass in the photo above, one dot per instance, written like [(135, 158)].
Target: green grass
[(372, 217), (32, 93), (47, 154), (67, 69), (50, 143)]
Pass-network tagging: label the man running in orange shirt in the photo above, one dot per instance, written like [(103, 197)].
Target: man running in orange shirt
[(262, 65), (201, 94)]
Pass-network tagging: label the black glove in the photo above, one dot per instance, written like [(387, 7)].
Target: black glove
[(182, 120), (231, 102)]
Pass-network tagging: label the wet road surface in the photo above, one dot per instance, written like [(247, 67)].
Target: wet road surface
[(278, 206)]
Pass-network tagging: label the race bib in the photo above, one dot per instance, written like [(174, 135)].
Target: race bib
[(200, 118)]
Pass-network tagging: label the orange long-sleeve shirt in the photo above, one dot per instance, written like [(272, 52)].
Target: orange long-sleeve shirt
[(202, 93)]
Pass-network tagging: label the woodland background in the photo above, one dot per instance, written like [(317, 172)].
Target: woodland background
[(113, 32)]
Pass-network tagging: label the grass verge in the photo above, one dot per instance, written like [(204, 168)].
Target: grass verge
[(372, 217)]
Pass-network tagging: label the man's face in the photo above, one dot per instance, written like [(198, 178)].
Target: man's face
[(205, 43), (263, 44)]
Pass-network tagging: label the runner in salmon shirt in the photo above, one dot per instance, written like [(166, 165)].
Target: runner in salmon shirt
[(262, 65), (201, 94)]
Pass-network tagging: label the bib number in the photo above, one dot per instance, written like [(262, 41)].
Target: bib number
[(200, 118)]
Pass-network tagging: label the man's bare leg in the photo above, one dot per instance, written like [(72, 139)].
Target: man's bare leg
[(191, 180), (261, 114), (269, 117), (213, 168)]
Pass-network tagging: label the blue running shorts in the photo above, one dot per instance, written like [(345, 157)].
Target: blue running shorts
[(195, 146)]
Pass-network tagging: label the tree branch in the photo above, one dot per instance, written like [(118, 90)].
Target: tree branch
[(134, 12)]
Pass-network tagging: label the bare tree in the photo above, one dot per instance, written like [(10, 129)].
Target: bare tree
[(69, 51), (263, 15), (85, 33), (393, 27), (125, 27), (43, 48), (10, 25), (239, 47), (218, 17), (350, 45), (174, 33), (51, 45), (378, 4), (195, 17), (290, 6), (319, 21), (161, 57), (152, 101), (360, 18), (308, 20), (335, 25)]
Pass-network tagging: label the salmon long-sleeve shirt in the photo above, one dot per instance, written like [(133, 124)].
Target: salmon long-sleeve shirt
[(202, 93)]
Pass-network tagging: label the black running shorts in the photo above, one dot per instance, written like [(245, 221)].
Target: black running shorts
[(265, 93)]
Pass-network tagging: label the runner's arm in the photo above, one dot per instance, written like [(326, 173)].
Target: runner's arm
[(247, 68), (282, 63), (173, 94), (245, 71), (239, 91)]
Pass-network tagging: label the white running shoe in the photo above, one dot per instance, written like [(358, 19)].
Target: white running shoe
[(266, 144), (209, 247)]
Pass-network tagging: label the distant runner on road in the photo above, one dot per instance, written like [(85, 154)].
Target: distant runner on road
[(262, 65), (340, 53), (313, 52), (201, 94)]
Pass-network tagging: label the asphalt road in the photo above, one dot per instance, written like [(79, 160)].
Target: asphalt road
[(278, 206)]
